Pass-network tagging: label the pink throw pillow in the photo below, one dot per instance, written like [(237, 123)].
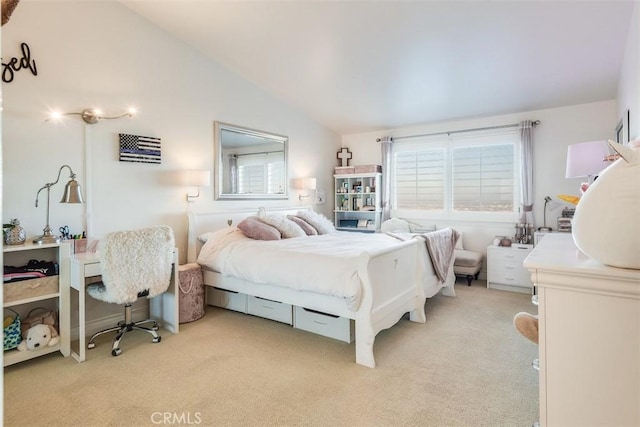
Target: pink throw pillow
[(254, 228), (308, 228)]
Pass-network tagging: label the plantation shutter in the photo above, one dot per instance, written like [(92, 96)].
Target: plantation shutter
[(261, 173), (483, 178)]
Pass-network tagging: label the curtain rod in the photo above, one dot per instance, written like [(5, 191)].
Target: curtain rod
[(256, 153), (534, 123)]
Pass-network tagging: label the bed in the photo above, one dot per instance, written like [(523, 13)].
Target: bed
[(372, 280)]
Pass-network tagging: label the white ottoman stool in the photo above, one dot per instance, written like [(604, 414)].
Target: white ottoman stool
[(467, 263)]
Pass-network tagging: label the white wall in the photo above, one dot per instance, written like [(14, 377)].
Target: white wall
[(100, 54), (629, 84), (559, 128)]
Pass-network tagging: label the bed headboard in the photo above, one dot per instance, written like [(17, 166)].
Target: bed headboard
[(203, 222)]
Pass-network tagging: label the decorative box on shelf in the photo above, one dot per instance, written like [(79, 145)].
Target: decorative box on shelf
[(344, 170), (368, 169)]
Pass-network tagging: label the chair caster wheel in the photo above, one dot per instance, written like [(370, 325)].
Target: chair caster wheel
[(91, 345), (116, 352), (157, 339), (155, 327)]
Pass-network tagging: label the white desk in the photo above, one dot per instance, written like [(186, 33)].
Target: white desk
[(164, 308)]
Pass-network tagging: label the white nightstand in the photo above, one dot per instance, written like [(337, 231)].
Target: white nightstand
[(505, 270), (538, 235)]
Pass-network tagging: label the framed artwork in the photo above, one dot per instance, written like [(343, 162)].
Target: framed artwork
[(622, 130)]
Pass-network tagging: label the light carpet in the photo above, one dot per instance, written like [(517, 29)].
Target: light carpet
[(467, 366)]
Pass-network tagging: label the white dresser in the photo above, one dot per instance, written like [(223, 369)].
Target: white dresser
[(505, 270), (589, 342)]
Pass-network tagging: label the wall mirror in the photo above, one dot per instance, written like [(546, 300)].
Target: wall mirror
[(250, 164)]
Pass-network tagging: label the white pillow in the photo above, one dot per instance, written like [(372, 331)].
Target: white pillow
[(318, 221), (606, 225), (285, 226), (419, 228), (459, 242), (214, 235), (395, 225)]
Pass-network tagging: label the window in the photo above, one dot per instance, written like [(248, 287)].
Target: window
[(470, 176), (261, 173)]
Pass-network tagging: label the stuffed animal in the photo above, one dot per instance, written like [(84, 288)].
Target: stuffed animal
[(605, 226), (39, 336)]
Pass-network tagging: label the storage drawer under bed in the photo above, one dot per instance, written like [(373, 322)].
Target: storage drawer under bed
[(328, 325), (269, 309), (227, 299)]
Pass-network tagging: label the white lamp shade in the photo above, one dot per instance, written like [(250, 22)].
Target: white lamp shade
[(198, 178), (586, 159), (304, 183)]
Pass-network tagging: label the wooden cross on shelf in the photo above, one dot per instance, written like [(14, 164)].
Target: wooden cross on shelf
[(344, 155)]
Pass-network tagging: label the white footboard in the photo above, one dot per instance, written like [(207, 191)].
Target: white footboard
[(390, 289)]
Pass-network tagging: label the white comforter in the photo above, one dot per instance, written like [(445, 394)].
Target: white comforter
[(325, 264)]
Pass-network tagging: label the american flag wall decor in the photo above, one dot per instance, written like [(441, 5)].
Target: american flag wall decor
[(140, 149)]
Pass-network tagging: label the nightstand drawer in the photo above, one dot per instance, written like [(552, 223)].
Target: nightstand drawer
[(269, 309), (339, 328), (502, 268)]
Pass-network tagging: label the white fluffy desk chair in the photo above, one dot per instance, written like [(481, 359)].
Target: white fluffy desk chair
[(134, 264)]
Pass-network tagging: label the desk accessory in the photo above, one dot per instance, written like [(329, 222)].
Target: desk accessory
[(15, 235)]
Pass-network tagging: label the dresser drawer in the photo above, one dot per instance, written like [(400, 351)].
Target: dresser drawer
[(269, 309), (227, 299), (339, 328)]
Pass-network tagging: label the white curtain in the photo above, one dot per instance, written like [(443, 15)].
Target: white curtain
[(526, 180), (233, 173), (386, 142)]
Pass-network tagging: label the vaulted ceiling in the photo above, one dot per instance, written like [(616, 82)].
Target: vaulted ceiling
[(358, 66)]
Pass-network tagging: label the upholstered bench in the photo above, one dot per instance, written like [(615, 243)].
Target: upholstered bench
[(467, 263)]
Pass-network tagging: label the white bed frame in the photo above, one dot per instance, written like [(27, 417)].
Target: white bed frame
[(390, 287)]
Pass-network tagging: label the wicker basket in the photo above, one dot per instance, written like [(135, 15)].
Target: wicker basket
[(24, 289)]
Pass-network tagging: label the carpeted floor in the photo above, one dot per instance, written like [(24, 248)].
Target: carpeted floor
[(467, 366)]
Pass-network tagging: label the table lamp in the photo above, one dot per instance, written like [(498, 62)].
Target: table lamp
[(586, 159)]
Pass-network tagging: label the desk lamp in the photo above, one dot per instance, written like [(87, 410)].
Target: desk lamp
[(72, 194), (547, 199)]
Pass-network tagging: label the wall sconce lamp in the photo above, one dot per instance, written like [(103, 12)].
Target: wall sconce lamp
[(197, 178), (587, 159), (91, 115), (72, 194), (304, 184)]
